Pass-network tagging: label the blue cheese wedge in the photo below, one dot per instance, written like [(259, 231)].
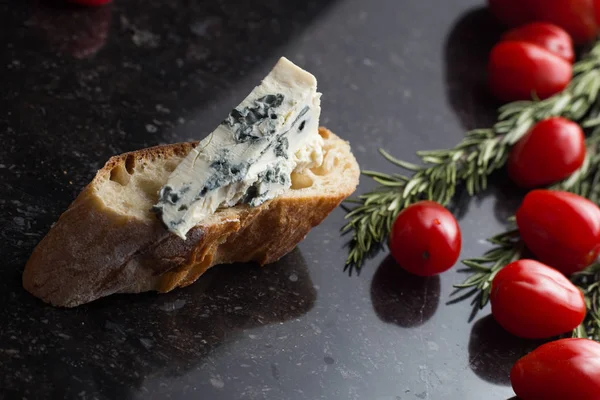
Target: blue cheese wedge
[(249, 158)]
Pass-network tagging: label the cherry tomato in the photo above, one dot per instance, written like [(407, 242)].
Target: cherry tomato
[(80, 34), (425, 239), (517, 70), (559, 370), (531, 300), (561, 229), (551, 37), (551, 151), (580, 18), (92, 3)]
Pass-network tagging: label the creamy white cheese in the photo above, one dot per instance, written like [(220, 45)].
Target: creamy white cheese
[(250, 156)]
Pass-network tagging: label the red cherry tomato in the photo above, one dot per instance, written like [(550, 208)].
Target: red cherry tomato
[(561, 229), (551, 151), (517, 70), (551, 37), (80, 34), (92, 3), (425, 239), (559, 370), (534, 301), (580, 18)]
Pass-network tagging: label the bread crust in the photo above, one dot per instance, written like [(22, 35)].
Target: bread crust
[(93, 251)]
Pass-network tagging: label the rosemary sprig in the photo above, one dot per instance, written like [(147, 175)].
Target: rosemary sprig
[(588, 282), (468, 164), (508, 247)]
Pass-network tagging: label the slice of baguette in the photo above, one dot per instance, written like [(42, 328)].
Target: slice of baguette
[(108, 241)]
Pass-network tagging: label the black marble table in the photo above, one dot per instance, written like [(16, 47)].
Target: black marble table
[(78, 86)]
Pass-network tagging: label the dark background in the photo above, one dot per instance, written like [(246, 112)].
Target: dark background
[(78, 86)]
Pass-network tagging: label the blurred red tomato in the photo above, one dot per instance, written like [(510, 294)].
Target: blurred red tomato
[(551, 37), (92, 3), (566, 369), (561, 229), (551, 151), (519, 70), (580, 18), (531, 300), (73, 30)]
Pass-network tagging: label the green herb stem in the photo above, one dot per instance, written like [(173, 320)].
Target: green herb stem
[(508, 247), (470, 163)]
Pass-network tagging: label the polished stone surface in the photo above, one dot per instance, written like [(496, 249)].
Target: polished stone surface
[(79, 85)]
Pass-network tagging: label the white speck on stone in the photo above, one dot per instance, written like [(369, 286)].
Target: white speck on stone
[(200, 28), (64, 336), (217, 382), (145, 38), (293, 278), (147, 343), (179, 62), (251, 336), (151, 128), (407, 93), (316, 329), (172, 305), (396, 60), (181, 120), (353, 87), (368, 62), (433, 346), (162, 109), (361, 148)]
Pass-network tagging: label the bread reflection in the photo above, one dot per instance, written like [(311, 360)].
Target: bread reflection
[(179, 332)]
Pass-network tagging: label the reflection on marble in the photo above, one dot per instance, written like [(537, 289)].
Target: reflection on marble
[(466, 52), (493, 351), (128, 345), (401, 298)]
